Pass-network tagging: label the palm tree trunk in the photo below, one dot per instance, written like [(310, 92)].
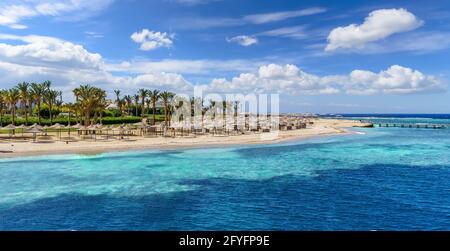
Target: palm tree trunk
[(26, 115), (87, 121), (95, 118), (39, 112), (13, 111), (21, 107), (51, 117), (165, 113), (154, 113), (30, 109), (77, 116)]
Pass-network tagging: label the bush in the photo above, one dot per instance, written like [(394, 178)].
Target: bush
[(111, 113), (121, 120), (6, 120), (45, 111)]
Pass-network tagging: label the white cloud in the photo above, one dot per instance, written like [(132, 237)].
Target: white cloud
[(150, 40), (12, 15), (67, 65), (47, 51), (162, 80), (416, 42), (395, 80), (295, 32), (214, 22), (244, 40), (289, 79), (93, 34), (279, 16), (378, 25), (202, 67)]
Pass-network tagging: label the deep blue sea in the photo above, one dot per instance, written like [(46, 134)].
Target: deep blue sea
[(402, 118), (373, 179)]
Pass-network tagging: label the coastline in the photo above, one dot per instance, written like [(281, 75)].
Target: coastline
[(321, 127)]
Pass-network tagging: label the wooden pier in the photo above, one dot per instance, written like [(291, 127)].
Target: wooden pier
[(412, 125)]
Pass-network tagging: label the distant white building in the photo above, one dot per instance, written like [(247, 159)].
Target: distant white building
[(112, 106)]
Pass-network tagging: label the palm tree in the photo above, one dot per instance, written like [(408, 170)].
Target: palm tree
[(89, 98), (46, 84), (60, 101), (118, 101), (136, 101), (2, 105), (69, 108), (227, 109), (101, 106), (50, 97), (38, 92), (12, 97), (128, 102), (236, 107), (166, 98), (143, 94), (77, 107), (30, 101), (154, 97), (197, 105), (148, 102), (212, 105), (23, 92)]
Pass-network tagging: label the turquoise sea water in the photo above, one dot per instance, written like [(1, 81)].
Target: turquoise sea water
[(376, 179)]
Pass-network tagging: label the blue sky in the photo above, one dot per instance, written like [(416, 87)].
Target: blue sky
[(321, 56)]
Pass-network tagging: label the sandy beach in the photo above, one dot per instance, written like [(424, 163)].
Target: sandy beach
[(321, 127)]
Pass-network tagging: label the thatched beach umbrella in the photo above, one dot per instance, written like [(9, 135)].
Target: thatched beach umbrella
[(127, 128), (11, 129), (23, 127), (82, 129), (76, 127), (113, 128), (94, 130), (45, 128), (99, 127), (141, 126), (123, 129), (34, 131), (105, 128), (58, 128), (37, 126)]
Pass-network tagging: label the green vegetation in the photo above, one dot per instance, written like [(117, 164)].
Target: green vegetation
[(30, 103), (65, 120)]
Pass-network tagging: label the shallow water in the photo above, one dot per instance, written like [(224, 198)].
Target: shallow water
[(381, 179)]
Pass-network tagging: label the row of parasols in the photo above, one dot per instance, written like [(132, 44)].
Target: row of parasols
[(38, 129)]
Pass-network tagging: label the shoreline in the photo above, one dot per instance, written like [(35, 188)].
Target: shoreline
[(320, 128)]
